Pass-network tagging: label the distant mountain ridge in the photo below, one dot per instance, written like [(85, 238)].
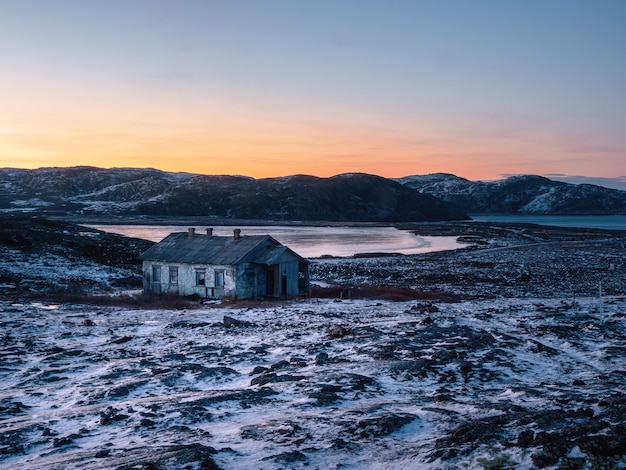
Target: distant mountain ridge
[(525, 194), (350, 197), (353, 197)]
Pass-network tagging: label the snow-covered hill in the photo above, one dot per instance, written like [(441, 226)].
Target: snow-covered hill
[(525, 194), (43, 256), (134, 192)]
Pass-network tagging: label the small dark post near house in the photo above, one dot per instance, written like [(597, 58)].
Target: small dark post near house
[(242, 267)]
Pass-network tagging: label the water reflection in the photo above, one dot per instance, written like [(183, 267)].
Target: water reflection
[(311, 242)]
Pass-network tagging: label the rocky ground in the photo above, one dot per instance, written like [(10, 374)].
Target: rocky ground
[(521, 364), (500, 261), (41, 256), (316, 384)]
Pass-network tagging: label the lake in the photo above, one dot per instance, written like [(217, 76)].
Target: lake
[(613, 222), (311, 242)]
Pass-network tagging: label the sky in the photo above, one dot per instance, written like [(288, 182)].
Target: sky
[(477, 88)]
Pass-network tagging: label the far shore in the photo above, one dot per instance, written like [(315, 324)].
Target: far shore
[(432, 228)]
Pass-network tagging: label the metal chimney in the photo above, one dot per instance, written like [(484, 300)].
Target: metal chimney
[(209, 231), (191, 232), (237, 234)]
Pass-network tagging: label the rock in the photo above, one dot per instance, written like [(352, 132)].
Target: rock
[(611, 444), (261, 349), (338, 331), (617, 399), (230, 322), (275, 378), (11, 443), (261, 379), (326, 394), (280, 365), (426, 307), (297, 361), (288, 457), (122, 340), (111, 415), (101, 454), (415, 368), (324, 397), (126, 388), (88, 322), (62, 441), (259, 370), (276, 431), (545, 458), (380, 426), (321, 359), (356, 381), (525, 438), (465, 368), (539, 347), (246, 396), (542, 438), (442, 398), (219, 371)]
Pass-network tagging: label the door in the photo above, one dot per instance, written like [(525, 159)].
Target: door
[(269, 283), (156, 278)]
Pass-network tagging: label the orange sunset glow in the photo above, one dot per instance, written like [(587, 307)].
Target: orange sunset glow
[(314, 89)]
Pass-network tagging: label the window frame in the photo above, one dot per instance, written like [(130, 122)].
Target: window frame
[(200, 277), (156, 273), (173, 275), (219, 277)]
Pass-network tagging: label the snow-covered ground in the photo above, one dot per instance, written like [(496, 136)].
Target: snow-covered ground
[(55, 272), (354, 384), (526, 370)]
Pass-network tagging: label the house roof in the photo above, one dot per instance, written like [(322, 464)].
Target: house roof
[(270, 255), (209, 249)]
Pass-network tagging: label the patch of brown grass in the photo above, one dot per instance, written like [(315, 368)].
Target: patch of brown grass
[(152, 300), (143, 300), (381, 293)]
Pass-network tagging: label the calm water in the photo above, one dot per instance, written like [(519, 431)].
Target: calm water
[(311, 242), (613, 222)]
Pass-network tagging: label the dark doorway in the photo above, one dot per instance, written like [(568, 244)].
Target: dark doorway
[(283, 285), (269, 283)]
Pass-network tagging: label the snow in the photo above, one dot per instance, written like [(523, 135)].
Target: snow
[(34, 203), (398, 385), (58, 269), (529, 348)]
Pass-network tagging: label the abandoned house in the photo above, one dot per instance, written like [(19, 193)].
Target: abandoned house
[(242, 267)]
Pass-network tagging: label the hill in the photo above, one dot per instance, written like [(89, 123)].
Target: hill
[(40, 255), (355, 197), (526, 194)]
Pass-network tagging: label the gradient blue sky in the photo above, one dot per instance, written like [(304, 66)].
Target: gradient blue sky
[(478, 88)]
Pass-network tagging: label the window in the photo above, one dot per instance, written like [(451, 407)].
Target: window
[(219, 278), (200, 277), (156, 273), (173, 275)]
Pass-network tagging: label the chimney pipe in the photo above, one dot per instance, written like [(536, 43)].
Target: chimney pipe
[(191, 232), (209, 231), (237, 234)]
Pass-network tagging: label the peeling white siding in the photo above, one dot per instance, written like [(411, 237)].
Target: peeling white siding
[(187, 279)]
